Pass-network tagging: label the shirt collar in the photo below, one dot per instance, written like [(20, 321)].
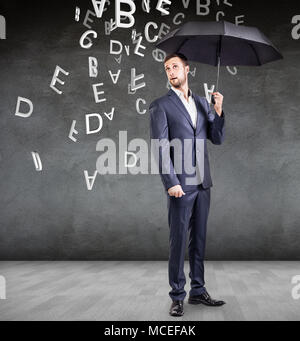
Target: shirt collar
[(180, 93)]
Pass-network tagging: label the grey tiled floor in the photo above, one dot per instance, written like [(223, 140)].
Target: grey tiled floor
[(133, 291)]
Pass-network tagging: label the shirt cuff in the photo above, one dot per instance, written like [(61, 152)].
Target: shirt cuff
[(222, 115)]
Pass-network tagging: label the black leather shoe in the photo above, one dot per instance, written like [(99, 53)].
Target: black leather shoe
[(176, 308), (205, 299)]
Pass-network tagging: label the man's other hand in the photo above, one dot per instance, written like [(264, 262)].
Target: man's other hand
[(219, 102), (176, 191)]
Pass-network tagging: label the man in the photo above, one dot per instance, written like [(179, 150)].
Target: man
[(186, 117)]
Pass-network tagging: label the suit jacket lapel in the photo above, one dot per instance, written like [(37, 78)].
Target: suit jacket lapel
[(181, 106), (198, 112), (201, 113)]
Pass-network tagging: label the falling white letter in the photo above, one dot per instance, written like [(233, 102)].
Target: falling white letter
[(135, 78), (137, 105), (112, 42), (208, 92), (93, 67), (37, 161), (26, 100), (87, 122), (2, 27), (129, 14), (115, 76), (151, 23), (85, 36), (88, 178), (98, 7), (73, 130), (138, 46), (161, 3), (97, 93), (205, 7), (77, 13), (55, 79)]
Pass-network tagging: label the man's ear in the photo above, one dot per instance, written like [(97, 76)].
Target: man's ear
[(188, 68)]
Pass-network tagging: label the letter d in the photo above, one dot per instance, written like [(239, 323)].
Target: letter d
[(26, 100)]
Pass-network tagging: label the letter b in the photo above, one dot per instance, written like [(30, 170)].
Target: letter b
[(129, 14)]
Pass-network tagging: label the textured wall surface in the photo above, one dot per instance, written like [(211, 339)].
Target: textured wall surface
[(51, 214)]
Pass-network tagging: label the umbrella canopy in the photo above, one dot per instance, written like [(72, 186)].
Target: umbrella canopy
[(220, 43)]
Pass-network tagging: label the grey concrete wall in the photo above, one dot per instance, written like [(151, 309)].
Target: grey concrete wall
[(51, 214)]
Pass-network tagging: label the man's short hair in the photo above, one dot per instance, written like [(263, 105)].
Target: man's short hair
[(179, 55)]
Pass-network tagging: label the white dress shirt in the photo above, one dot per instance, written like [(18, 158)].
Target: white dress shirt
[(190, 105)]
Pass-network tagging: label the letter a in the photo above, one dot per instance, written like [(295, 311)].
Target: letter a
[(99, 7)]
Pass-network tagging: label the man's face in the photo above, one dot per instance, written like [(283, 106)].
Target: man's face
[(176, 72)]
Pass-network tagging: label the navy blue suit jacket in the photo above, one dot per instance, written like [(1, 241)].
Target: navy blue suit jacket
[(170, 120)]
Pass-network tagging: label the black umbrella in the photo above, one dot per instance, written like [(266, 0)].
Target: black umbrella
[(220, 43)]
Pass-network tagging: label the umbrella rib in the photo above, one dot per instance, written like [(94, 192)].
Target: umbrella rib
[(182, 45), (259, 62)]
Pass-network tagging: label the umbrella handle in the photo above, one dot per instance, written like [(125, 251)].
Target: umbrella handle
[(213, 97)]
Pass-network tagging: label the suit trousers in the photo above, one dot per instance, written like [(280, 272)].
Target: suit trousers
[(187, 214)]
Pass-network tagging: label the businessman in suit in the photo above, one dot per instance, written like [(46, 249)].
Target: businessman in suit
[(183, 116)]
